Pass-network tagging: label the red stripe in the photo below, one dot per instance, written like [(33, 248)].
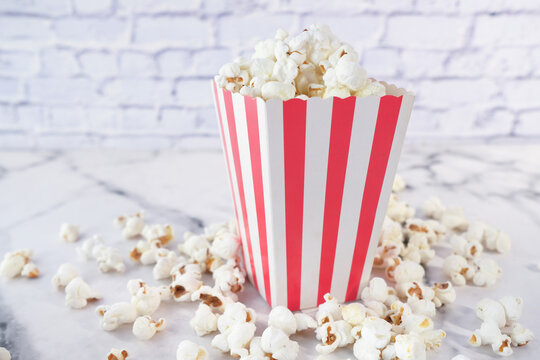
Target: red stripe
[(294, 144), (236, 158), (220, 121), (338, 153), (256, 168), (380, 151)]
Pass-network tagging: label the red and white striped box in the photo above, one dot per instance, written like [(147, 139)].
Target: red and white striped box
[(311, 180)]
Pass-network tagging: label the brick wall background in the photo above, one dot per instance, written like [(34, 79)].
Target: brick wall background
[(135, 73)]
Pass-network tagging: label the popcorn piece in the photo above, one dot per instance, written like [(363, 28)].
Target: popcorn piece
[(399, 184), (496, 240), (454, 219), (184, 285), (328, 311), (196, 247), (4, 354), (304, 322), (487, 309), (399, 210), (457, 268), (146, 299), (354, 313), (277, 90), (502, 346), (116, 354), (377, 332), (432, 338), (205, 321), (91, 248), (225, 245), (513, 308), (487, 273), (408, 271), (145, 252), (30, 270), (14, 263), (237, 328), (519, 335), (282, 318), (469, 250), (110, 259), (69, 233), (188, 350), (64, 274), (444, 293), (433, 208), (115, 315), (166, 260), (162, 233), (229, 278), (276, 344), (79, 293), (376, 290), (410, 347), (364, 350), (211, 297), (133, 225), (144, 328)]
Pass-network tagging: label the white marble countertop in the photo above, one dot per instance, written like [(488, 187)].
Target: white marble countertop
[(38, 191)]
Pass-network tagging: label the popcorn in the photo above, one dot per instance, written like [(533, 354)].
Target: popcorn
[(162, 233), (312, 63), (454, 219), (91, 248), (433, 208), (69, 233), (457, 268), (237, 328), (410, 346), (376, 290), (146, 299), (282, 318), (365, 350), (115, 315), (229, 278), (399, 184), (132, 225), (4, 354), (166, 260), (487, 273), (487, 309), (64, 274), (496, 240), (144, 328), (30, 270), (188, 350), (205, 321), (225, 245), (184, 285), (399, 211), (502, 346), (196, 247), (145, 252), (513, 308), (304, 322), (444, 293), (79, 293), (519, 335), (354, 313), (392, 233), (376, 331), (276, 344), (110, 259), (116, 354), (14, 263), (328, 311), (463, 247), (211, 297), (408, 271)]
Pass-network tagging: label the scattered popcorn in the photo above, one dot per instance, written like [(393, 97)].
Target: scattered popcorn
[(457, 268), (277, 345), (69, 233), (399, 184), (205, 321), (115, 315), (433, 208), (184, 285), (444, 293), (487, 273), (30, 270), (364, 350), (354, 313), (110, 259), (408, 271), (91, 248), (225, 245), (399, 211), (211, 297), (196, 247), (282, 318), (79, 293), (513, 308), (146, 299), (465, 248), (166, 260), (15, 262), (64, 274), (132, 225), (116, 354), (4, 354), (229, 278), (162, 233), (304, 322), (313, 63), (453, 218), (145, 328), (410, 347), (376, 331), (188, 350), (519, 335), (328, 311), (145, 252)]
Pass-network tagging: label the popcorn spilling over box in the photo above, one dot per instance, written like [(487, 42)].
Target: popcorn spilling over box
[(311, 146)]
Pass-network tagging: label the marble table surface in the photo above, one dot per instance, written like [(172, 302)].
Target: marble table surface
[(498, 183)]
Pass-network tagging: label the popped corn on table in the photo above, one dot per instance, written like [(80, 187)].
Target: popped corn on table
[(40, 190)]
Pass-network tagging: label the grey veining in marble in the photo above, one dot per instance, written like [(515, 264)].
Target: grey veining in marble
[(38, 191)]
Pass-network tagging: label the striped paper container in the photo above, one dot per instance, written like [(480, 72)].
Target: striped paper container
[(311, 180)]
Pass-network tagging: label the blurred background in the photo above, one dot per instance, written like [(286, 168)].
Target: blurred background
[(135, 73)]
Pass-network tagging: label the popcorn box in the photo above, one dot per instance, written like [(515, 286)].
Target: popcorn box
[(311, 180)]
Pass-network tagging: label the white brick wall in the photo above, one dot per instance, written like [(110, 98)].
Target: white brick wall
[(135, 73)]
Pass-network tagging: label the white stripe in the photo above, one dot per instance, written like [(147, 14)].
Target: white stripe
[(363, 128), (247, 180), (234, 184), (318, 124), (393, 160), (273, 170)]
